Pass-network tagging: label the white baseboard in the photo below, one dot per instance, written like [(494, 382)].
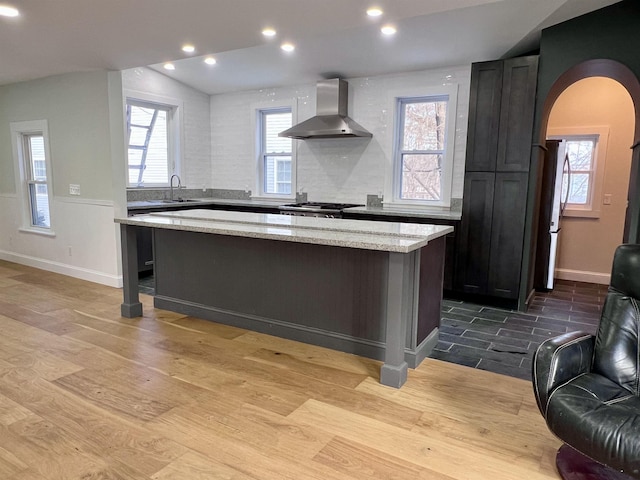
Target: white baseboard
[(582, 276), (69, 270)]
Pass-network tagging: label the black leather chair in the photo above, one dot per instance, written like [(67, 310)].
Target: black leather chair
[(588, 388)]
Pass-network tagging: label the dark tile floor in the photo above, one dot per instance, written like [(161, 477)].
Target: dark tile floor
[(504, 341)]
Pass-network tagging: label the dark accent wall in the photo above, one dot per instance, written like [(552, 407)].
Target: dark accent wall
[(611, 34)]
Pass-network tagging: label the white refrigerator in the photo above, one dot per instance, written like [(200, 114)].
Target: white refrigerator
[(560, 196)]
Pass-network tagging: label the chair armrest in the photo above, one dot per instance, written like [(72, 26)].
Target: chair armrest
[(557, 361)]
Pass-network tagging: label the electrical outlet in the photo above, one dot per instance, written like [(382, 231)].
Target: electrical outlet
[(74, 189), (69, 250), (607, 199)]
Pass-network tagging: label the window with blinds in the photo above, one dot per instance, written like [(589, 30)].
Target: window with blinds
[(30, 142), (37, 179), (276, 162)]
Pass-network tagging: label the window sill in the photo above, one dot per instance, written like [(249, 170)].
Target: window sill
[(576, 213), (38, 231)]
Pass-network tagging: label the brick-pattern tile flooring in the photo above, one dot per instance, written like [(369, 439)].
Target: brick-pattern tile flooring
[(504, 341)]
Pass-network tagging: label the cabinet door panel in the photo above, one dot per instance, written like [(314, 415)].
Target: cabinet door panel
[(516, 114), (472, 265), (507, 234), (484, 116)]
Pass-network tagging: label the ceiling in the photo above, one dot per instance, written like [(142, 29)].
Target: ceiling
[(332, 37)]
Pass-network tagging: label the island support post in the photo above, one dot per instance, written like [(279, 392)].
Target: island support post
[(131, 306)]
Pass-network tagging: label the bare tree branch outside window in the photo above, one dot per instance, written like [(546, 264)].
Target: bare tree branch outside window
[(423, 124)]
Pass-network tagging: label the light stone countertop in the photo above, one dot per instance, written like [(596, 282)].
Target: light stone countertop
[(361, 234), (404, 212), (194, 202)]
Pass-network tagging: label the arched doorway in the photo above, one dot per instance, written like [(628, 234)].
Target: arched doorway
[(623, 75), (596, 117)]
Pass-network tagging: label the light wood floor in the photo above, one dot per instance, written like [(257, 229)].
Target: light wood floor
[(86, 394)]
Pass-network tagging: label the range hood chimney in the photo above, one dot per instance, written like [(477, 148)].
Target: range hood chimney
[(331, 120)]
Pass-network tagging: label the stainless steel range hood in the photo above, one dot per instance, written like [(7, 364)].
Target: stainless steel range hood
[(331, 120)]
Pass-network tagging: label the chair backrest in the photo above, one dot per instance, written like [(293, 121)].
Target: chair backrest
[(616, 347)]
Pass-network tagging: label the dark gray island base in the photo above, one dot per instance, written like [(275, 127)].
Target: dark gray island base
[(366, 288)]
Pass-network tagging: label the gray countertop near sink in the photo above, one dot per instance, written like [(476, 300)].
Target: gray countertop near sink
[(159, 204), (404, 212), (155, 205)]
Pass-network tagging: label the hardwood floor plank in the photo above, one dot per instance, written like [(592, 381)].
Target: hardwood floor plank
[(10, 464), (127, 445), (60, 456), (445, 457), (421, 394), (259, 463), (11, 412), (28, 474), (132, 404), (35, 319), (294, 364), (364, 463), (85, 393), (202, 366), (205, 326), (9, 282), (314, 354), (264, 376), (193, 466), (45, 364), (249, 425)]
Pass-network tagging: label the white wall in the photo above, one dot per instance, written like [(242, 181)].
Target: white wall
[(196, 140), (78, 108), (338, 169)]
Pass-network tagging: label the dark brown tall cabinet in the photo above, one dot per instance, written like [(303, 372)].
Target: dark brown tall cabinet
[(499, 139)]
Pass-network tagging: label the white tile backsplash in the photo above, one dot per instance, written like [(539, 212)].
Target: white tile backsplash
[(343, 170)]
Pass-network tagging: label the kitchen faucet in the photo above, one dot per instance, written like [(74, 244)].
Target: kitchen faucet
[(171, 185)]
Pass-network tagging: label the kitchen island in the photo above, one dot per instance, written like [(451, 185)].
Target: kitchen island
[(368, 288)]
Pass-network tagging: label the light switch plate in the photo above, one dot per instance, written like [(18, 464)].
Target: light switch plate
[(607, 199), (74, 189)]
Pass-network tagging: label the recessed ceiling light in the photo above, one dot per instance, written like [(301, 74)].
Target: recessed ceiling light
[(188, 48), (269, 32), (374, 12), (388, 30), (7, 11), (288, 47), (169, 66), (210, 61)]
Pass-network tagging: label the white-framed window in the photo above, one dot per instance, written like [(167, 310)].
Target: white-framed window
[(276, 159), (153, 140), (582, 181), (30, 141), (423, 148)]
